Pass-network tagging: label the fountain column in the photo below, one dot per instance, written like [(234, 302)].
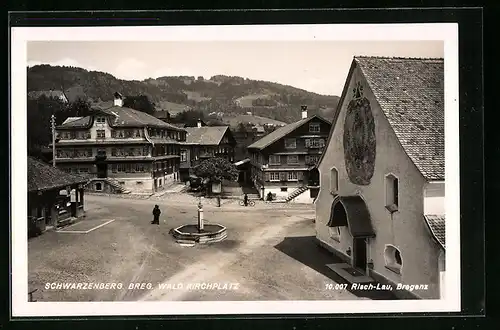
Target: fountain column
[(200, 215)]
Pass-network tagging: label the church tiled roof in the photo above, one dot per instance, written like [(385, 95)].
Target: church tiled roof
[(410, 92), (437, 227)]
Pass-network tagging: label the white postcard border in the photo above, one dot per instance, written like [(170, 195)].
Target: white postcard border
[(447, 32)]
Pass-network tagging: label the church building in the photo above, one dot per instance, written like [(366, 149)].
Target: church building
[(380, 207)]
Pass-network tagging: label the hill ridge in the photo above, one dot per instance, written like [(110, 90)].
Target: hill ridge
[(232, 95)]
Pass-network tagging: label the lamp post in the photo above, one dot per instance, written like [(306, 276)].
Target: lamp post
[(200, 215), (53, 127)]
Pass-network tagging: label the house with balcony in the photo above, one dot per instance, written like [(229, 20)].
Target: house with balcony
[(203, 142), (381, 206), (122, 149), (283, 162)]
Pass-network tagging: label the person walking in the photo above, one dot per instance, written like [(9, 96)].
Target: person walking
[(156, 215)]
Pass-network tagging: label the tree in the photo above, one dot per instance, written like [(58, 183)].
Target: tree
[(78, 108), (38, 121), (216, 169), (241, 128), (140, 103)]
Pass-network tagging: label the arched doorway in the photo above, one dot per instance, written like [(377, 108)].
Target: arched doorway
[(351, 211)]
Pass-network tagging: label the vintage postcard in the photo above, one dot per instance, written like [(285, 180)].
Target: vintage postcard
[(281, 169)]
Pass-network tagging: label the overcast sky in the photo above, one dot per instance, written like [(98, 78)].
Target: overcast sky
[(316, 66)]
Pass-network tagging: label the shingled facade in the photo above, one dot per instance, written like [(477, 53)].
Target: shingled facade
[(121, 148), (381, 202), (203, 142), (284, 161)]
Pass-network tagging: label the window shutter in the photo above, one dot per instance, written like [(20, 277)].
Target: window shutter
[(283, 176), (300, 176), (113, 168), (308, 143), (267, 177)]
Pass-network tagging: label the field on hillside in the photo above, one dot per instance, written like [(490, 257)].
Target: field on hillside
[(257, 120)]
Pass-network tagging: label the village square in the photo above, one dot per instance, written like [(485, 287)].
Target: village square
[(269, 254), (334, 198)]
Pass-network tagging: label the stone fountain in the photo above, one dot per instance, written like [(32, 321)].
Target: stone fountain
[(200, 233)]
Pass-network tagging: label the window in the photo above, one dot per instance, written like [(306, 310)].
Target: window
[(101, 134), (290, 143), (393, 259), (334, 181), (284, 189), (391, 193), (120, 167), (100, 120), (137, 133), (274, 176), (274, 160), (98, 186), (89, 152), (292, 159), (292, 176), (113, 152), (314, 127), (139, 167), (308, 143), (334, 233), (84, 169), (311, 159)]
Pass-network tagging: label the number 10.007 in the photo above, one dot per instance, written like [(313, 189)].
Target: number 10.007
[(331, 286)]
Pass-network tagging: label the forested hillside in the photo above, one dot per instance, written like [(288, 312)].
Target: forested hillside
[(230, 95)]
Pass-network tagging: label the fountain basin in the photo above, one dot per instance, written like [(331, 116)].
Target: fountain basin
[(211, 233)]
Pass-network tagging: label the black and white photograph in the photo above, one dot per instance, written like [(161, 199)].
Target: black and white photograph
[(235, 169)]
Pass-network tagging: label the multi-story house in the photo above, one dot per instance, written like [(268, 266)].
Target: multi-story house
[(381, 206), (121, 148), (204, 142), (283, 162)]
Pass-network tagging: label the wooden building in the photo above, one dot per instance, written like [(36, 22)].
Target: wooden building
[(204, 142), (55, 197), (123, 149), (283, 162)]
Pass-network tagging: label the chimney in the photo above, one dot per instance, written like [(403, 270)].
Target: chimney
[(304, 111), (118, 100), (199, 123)]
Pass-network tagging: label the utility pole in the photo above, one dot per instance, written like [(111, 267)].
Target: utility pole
[(53, 126)]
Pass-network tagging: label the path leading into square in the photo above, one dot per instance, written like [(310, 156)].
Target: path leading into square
[(269, 254)]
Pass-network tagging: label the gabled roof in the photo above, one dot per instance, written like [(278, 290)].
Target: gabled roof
[(410, 92), (81, 122), (282, 132), (71, 119), (122, 117), (42, 176), (205, 135), (436, 224)]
